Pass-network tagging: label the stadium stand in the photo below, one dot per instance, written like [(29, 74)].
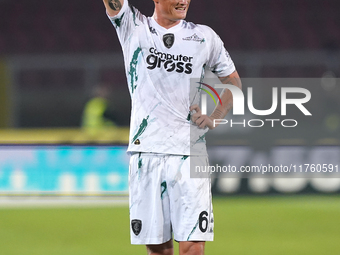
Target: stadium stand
[(65, 47), (74, 27)]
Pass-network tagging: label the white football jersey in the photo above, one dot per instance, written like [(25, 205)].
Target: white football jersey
[(159, 64)]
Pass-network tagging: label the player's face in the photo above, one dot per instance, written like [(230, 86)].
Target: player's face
[(173, 10)]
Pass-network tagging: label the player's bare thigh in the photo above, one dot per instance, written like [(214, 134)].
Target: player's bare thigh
[(185, 248), (191, 248), (166, 248)]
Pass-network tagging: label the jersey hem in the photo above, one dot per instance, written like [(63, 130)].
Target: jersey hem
[(131, 152)]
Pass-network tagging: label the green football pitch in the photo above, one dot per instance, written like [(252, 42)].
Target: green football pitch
[(243, 225)]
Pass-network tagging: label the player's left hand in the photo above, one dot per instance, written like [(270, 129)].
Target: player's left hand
[(202, 121)]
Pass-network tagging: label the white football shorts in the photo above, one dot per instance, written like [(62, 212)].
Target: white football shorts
[(165, 202)]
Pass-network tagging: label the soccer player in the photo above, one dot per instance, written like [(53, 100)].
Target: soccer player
[(161, 54)]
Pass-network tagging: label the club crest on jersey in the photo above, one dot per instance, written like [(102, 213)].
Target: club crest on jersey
[(136, 226), (168, 40)]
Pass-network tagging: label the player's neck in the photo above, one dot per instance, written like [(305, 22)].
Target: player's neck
[(164, 22)]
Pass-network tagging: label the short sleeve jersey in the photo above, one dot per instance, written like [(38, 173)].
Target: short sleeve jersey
[(159, 64)]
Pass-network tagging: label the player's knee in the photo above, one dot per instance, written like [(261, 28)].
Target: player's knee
[(191, 248)]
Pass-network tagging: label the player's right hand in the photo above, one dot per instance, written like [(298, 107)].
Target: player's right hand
[(202, 121)]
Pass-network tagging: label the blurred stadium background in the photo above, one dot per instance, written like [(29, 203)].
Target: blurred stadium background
[(53, 55)]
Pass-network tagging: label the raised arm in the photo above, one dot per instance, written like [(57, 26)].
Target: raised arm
[(221, 110), (113, 6)]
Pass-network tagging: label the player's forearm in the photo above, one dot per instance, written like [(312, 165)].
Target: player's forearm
[(226, 97), (113, 6)]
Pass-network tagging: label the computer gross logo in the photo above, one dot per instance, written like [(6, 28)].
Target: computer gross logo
[(169, 62)]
